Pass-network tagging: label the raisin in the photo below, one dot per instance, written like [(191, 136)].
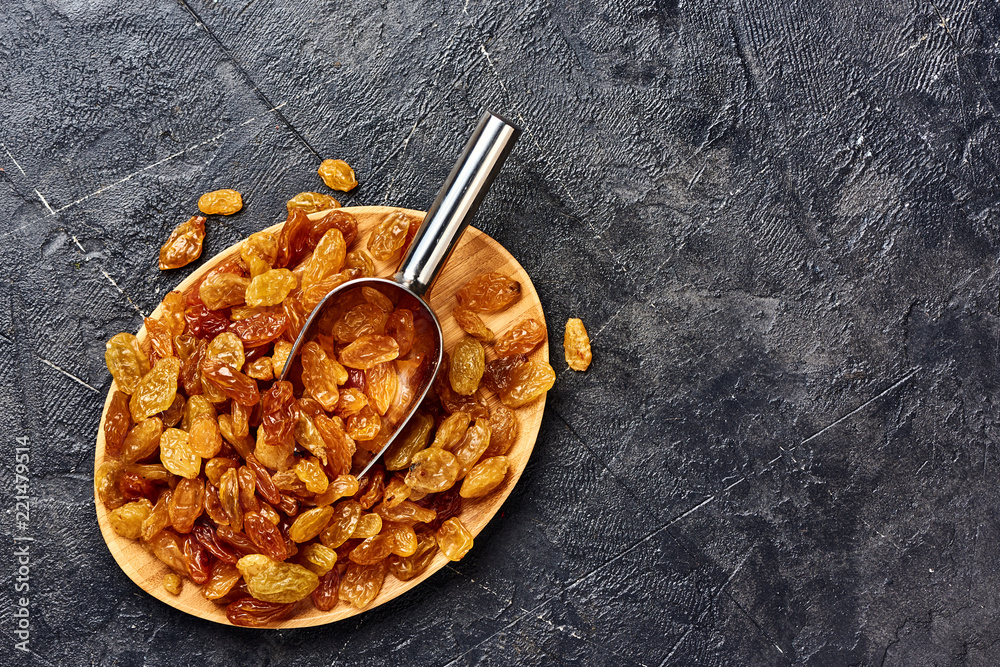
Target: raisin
[(475, 442), (325, 596), (229, 496), (337, 175), (453, 539), (498, 374), (279, 357), (527, 383), (275, 581), (319, 376), (342, 487), (468, 363), (382, 384), (311, 202), (159, 518), (318, 558), (372, 550), (216, 467), (266, 536), (176, 454), (488, 293), (503, 430), (472, 324), (576, 345), (172, 583), (340, 220), (485, 476), (351, 401), (278, 414), (157, 389), (309, 438), (183, 246), (402, 537), (159, 338), (524, 337), (142, 440), (369, 350), (314, 293), (222, 579), (259, 252), (451, 400), (198, 560), (361, 320), (399, 325), (205, 323), (260, 329), (371, 487), (168, 547), (230, 381), (409, 442), (127, 519), (396, 491), (310, 471), (172, 312), (360, 261), (451, 431), (271, 287), (293, 238), (172, 415), (407, 512), (408, 567), (342, 523), (117, 423), (444, 505), (361, 583), (326, 260), (223, 202), (432, 470), (310, 523), (247, 483), (365, 425), (295, 313), (186, 504), (259, 369), (191, 370), (204, 437), (126, 362), (251, 613), (386, 241), (223, 290), (194, 408)]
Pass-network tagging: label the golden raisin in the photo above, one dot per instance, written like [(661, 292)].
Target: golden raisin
[(337, 175), (223, 202), (454, 539), (126, 362), (472, 324), (489, 293), (183, 246), (311, 202), (576, 345), (485, 476), (127, 519), (468, 362), (271, 287), (369, 350), (172, 583), (409, 442), (222, 290), (528, 382), (432, 470), (388, 238), (524, 337), (157, 390)]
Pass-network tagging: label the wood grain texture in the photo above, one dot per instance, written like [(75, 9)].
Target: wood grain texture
[(475, 253)]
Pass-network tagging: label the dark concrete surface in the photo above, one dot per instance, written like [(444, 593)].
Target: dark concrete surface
[(778, 220)]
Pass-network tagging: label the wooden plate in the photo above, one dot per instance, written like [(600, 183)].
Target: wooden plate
[(476, 253)]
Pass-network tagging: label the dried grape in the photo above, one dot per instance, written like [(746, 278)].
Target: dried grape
[(337, 175), (183, 246), (222, 202), (485, 476), (388, 238), (488, 293), (126, 362), (271, 287), (576, 345), (472, 324), (468, 363), (157, 389), (454, 539), (524, 337), (311, 202)]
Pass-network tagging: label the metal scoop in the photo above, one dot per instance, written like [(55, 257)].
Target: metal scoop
[(452, 211)]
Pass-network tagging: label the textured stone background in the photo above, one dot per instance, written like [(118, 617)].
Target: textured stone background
[(778, 220)]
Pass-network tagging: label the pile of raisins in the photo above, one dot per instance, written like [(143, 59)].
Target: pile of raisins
[(242, 483)]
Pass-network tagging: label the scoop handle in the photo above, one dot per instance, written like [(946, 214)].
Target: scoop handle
[(457, 201)]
